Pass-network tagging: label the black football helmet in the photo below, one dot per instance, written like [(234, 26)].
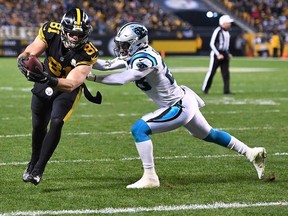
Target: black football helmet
[(75, 22)]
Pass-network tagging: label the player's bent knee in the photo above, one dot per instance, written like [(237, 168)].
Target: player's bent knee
[(140, 131), (56, 122)]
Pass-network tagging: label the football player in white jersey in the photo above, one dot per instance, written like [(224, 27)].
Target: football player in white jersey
[(178, 105)]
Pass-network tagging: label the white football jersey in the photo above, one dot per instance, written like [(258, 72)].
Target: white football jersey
[(160, 85)]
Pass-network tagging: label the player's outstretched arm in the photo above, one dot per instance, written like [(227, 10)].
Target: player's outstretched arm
[(75, 78), (120, 78), (112, 64)]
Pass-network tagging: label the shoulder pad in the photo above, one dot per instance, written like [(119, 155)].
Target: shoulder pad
[(48, 30), (143, 60), (88, 54)]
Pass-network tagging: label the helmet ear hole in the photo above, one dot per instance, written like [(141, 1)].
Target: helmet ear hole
[(75, 22)]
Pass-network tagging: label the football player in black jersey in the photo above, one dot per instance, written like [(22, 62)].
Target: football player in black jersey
[(69, 57)]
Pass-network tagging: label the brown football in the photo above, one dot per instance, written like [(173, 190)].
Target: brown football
[(34, 64)]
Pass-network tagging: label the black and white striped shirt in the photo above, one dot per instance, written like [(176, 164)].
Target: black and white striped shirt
[(220, 41)]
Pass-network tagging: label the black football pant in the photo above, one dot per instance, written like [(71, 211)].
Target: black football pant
[(44, 142), (213, 66)]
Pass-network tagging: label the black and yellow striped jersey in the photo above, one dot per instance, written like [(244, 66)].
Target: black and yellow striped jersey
[(59, 61)]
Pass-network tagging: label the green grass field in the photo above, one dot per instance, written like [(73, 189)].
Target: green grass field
[(96, 157)]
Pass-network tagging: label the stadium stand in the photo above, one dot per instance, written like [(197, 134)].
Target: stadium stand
[(264, 15), (20, 19), (269, 18)]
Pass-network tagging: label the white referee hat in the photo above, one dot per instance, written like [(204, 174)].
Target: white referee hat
[(225, 19)]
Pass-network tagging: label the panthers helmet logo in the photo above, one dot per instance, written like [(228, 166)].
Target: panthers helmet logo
[(140, 31)]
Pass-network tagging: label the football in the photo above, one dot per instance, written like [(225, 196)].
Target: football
[(34, 64)]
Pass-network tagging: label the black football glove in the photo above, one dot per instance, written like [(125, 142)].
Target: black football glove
[(42, 77), (22, 66), (37, 76)]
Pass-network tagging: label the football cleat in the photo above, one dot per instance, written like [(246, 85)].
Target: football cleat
[(147, 181), (35, 177), (257, 156), (27, 172)]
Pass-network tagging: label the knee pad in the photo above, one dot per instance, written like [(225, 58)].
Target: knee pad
[(140, 131)]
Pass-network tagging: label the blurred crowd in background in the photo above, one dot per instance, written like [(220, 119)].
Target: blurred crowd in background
[(270, 18), (22, 18), (264, 15), (106, 16)]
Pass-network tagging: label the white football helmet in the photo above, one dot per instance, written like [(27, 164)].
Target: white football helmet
[(130, 38)]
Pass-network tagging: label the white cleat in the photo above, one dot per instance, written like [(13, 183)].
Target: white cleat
[(151, 181), (257, 156)]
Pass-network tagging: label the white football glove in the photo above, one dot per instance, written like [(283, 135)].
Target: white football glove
[(91, 77), (109, 62)]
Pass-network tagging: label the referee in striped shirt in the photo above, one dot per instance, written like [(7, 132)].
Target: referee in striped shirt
[(219, 55)]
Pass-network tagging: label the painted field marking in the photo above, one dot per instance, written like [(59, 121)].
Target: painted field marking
[(137, 158), (217, 205), (127, 132)]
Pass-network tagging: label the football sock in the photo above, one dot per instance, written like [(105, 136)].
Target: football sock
[(145, 151), (237, 145), (149, 172)]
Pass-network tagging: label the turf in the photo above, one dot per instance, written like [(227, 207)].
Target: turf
[(96, 157)]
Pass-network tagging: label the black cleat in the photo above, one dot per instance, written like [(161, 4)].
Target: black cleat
[(229, 92), (27, 172), (35, 177)]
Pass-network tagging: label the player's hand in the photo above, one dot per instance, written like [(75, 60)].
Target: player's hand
[(220, 57), (39, 76), (91, 77), (22, 66), (108, 63), (42, 77)]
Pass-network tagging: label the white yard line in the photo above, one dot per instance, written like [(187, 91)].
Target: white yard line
[(217, 205), (137, 158), (232, 112), (127, 132)]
